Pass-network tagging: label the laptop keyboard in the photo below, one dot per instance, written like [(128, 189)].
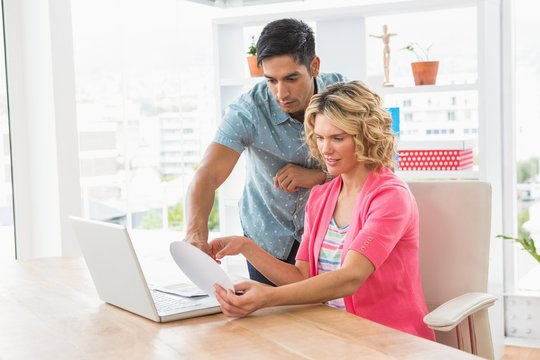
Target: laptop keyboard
[(166, 303)]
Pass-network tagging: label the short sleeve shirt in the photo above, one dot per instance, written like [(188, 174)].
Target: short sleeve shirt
[(254, 123)]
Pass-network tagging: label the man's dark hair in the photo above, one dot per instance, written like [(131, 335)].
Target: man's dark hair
[(287, 37)]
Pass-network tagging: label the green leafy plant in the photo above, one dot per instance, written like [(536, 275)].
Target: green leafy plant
[(526, 242), (252, 49), (421, 53)]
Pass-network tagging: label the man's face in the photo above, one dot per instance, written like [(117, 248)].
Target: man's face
[(291, 83)]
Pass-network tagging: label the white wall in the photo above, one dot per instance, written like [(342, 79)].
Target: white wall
[(41, 90)]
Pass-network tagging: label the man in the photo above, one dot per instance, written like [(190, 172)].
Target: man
[(267, 122)]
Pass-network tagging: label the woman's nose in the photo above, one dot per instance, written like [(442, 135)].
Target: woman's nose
[(326, 147)]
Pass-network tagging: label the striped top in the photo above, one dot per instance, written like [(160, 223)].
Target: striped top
[(330, 255)]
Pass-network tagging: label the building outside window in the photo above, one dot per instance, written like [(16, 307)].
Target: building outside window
[(144, 107), (527, 75)]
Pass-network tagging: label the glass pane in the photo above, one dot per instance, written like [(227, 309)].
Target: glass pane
[(144, 105), (527, 47), (7, 229), (436, 115)]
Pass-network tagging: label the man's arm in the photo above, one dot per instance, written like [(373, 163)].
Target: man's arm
[(291, 176), (216, 166)]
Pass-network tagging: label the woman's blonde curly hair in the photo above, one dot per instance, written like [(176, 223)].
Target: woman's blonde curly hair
[(358, 111)]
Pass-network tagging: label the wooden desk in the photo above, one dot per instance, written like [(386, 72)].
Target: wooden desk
[(50, 310)]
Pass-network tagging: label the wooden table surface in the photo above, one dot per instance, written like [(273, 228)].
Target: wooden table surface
[(49, 309)]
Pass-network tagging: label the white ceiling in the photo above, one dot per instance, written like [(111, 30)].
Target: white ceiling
[(239, 3)]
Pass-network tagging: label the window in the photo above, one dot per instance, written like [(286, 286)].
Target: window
[(7, 229), (527, 75), (144, 106)]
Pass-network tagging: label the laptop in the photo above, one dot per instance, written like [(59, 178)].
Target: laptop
[(119, 280)]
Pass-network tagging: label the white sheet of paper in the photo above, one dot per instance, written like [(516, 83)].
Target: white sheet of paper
[(199, 267), (185, 290)]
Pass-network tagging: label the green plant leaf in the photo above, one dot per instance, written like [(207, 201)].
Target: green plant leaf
[(252, 49), (422, 54), (527, 243)]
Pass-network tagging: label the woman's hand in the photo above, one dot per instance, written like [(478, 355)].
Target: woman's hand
[(227, 245), (253, 297)]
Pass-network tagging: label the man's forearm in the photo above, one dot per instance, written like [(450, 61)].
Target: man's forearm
[(199, 202)]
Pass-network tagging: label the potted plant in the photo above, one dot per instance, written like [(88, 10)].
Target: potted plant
[(424, 70), (254, 68)]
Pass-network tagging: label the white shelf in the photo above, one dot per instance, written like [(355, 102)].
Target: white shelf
[(426, 89), (439, 174)]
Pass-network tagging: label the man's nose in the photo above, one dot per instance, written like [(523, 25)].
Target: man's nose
[(282, 91)]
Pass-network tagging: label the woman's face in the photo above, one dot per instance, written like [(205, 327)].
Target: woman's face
[(335, 145)]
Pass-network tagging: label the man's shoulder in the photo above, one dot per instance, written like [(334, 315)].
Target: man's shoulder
[(257, 92), (254, 100), (331, 78)]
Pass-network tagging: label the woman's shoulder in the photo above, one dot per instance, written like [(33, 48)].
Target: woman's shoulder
[(320, 192), (386, 180)]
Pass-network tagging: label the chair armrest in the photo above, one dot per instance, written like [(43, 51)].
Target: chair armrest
[(448, 315)]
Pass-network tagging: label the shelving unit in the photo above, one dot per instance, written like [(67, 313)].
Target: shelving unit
[(469, 174), (335, 27), (426, 89), (342, 45)]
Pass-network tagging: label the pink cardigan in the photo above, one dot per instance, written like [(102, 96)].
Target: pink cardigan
[(383, 228)]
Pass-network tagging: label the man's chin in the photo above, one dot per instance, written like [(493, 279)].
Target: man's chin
[(290, 110), (286, 109)]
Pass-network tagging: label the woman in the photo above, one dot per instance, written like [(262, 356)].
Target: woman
[(359, 250)]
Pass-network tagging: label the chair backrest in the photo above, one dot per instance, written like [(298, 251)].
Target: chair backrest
[(455, 225)]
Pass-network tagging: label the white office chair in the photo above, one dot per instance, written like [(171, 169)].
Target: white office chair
[(455, 222)]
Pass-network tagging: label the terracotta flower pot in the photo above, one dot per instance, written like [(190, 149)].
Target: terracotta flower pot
[(425, 72), (254, 70)]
